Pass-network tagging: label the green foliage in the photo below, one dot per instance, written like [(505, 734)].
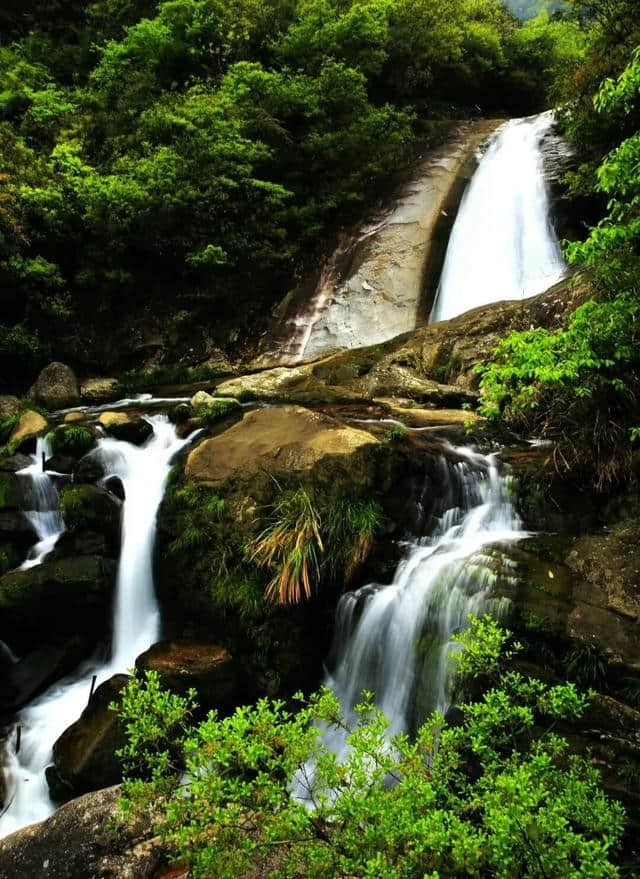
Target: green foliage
[(302, 543), (496, 796), (156, 723), (216, 411), (7, 427), (71, 440), (578, 385), (483, 649), (192, 157), (397, 432), (587, 665)]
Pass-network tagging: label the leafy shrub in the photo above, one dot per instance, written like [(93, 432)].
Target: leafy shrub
[(396, 433), (491, 797)]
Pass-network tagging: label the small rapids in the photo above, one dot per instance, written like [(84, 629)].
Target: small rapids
[(503, 245), (144, 472), (395, 641), (42, 505)]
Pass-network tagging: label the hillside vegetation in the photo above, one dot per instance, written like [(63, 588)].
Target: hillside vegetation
[(185, 160)]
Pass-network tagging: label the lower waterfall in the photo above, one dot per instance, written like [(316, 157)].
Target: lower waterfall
[(144, 472), (395, 640)]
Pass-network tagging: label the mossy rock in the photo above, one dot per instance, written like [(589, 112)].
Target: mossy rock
[(90, 508), (56, 598), (10, 496), (71, 440), (85, 754)]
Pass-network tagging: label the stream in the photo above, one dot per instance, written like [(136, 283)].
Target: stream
[(136, 622), (394, 639)]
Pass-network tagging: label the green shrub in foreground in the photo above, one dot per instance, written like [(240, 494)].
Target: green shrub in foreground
[(499, 796)]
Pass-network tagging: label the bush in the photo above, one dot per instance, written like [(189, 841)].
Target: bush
[(496, 796)]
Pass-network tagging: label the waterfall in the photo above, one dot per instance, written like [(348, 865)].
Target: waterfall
[(395, 640), (43, 505), (144, 471), (502, 245)]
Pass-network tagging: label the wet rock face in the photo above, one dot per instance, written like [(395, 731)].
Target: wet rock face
[(372, 288), (125, 427), (79, 842), (84, 757), (90, 512), (56, 387)]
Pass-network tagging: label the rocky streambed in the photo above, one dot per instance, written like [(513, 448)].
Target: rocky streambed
[(365, 425)]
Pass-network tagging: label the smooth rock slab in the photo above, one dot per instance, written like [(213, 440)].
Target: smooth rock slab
[(78, 842)]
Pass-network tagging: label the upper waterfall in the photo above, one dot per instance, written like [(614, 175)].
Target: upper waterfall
[(503, 245)]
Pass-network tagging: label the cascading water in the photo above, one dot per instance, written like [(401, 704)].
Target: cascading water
[(144, 473), (395, 641), (502, 245), (43, 505)]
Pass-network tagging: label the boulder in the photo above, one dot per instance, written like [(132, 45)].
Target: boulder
[(201, 398), (180, 413), (56, 387), (79, 842), (94, 510), (208, 668), (15, 463), (89, 469), (69, 439), (30, 425), (285, 439), (9, 406), (72, 417), (15, 528), (126, 427), (84, 757), (60, 464), (115, 485), (94, 391), (33, 673), (61, 597)]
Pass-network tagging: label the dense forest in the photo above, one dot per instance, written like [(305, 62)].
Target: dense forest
[(187, 160)]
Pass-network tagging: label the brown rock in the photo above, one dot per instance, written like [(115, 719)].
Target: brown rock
[(31, 424), (282, 438), (79, 842), (208, 668), (85, 754), (56, 387)]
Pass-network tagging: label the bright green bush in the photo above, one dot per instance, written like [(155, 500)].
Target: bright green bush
[(496, 796)]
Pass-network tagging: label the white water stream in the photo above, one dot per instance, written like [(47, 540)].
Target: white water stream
[(143, 471), (43, 505), (502, 245), (395, 640)]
